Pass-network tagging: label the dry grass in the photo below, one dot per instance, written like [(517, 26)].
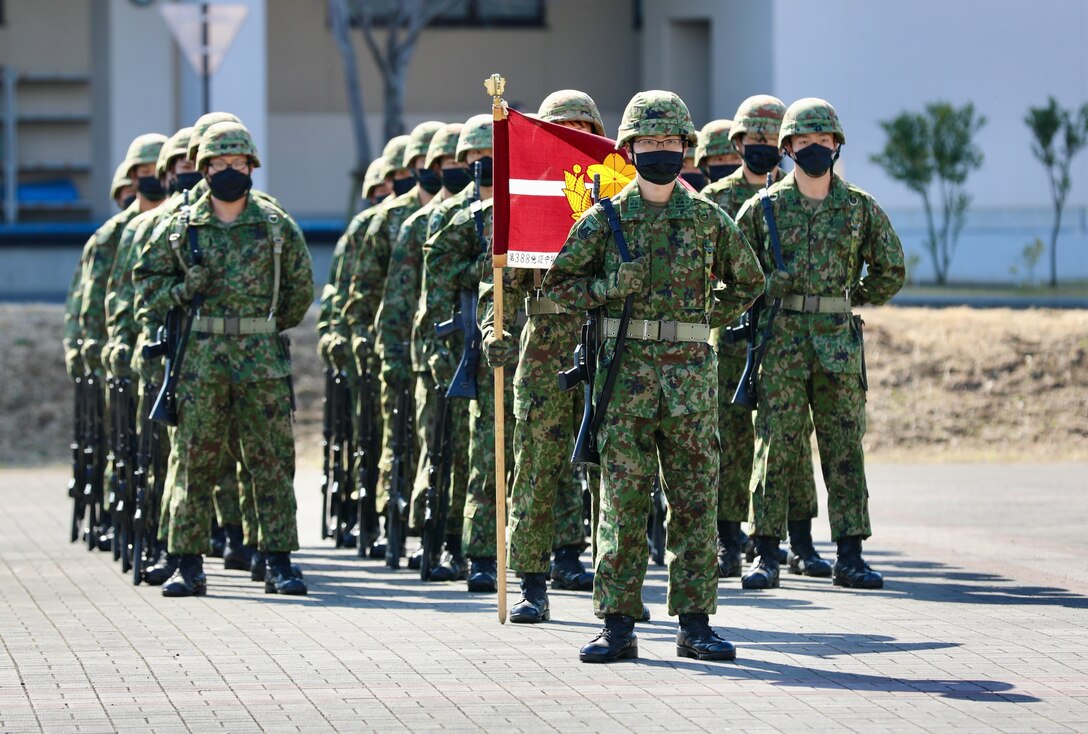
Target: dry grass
[(952, 384)]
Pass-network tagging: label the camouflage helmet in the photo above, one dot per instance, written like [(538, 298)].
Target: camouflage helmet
[(203, 123), (714, 139), (420, 139), (120, 180), (443, 143), (226, 138), (655, 112), (177, 146), (373, 176), (810, 115), (393, 153), (475, 135), (144, 149), (760, 114), (570, 105)]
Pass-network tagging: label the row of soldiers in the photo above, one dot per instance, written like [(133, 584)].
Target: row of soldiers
[(173, 336), (406, 263)]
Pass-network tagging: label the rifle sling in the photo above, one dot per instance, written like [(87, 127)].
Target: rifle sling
[(625, 319)]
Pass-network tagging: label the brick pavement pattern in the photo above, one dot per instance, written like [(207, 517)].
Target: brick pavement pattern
[(982, 627)]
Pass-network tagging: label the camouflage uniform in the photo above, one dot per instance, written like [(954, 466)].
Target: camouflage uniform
[(237, 380), (663, 415), (814, 360)]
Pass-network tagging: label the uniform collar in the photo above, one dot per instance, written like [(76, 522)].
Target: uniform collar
[(201, 213), (630, 202)]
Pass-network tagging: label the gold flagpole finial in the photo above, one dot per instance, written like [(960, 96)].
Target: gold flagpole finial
[(495, 86)]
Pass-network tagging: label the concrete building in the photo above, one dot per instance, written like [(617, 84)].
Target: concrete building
[(111, 70)]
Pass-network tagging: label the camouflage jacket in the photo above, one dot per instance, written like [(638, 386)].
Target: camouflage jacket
[(400, 296), (369, 268), (344, 255), (239, 259), (434, 304), (732, 191), (73, 335), (825, 249), (96, 273), (699, 269)]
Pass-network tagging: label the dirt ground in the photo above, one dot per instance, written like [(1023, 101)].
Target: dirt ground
[(944, 385)]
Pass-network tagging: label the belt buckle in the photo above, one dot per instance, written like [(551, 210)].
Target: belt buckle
[(810, 304), (232, 325), (666, 332)]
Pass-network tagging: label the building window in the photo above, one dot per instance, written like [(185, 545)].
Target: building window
[(3, 15), (469, 13)]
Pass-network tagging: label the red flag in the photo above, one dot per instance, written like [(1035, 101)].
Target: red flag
[(543, 181)]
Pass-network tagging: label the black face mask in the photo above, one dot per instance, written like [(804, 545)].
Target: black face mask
[(486, 170), (186, 181), (697, 180), (127, 201), (402, 186), (455, 179), (151, 188), (761, 159), (428, 180), (719, 171), (815, 159), (660, 166), (230, 185), (380, 199)]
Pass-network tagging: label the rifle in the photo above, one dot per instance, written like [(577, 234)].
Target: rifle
[(122, 418), (747, 393), (397, 508), (327, 407), (93, 457), (436, 499), (75, 484), (658, 511), (150, 475), (165, 409), (463, 384), (342, 435), (366, 453)]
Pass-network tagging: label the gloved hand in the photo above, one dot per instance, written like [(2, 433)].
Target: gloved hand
[(91, 351), (779, 283), (196, 281), (120, 359), (629, 278), (73, 361), (472, 275), (363, 349), (500, 352), (443, 367), (334, 349)]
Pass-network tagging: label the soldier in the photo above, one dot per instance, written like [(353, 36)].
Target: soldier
[(715, 155), (690, 172), (545, 505), (365, 292), (255, 280), (437, 299), (830, 230), (400, 302), (123, 190), (691, 270)]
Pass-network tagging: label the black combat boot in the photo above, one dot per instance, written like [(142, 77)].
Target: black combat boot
[(764, 574), (235, 553), (617, 641), (697, 639), (218, 541), (568, 571), (645, 613), (533, 607), (163, 569), (280, 578), (730, 548), (803, 558), (189, 579), (453, 566), (483, 575), (416, 559), (258, 566), (851, 570)]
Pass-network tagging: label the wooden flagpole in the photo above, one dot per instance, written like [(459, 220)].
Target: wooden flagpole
[(495, 86)]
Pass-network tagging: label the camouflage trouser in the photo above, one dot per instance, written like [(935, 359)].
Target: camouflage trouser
[(738, 444), (478, 534), (260, 412), (426, 398), (792, 382), (546, 507), (233, 493), (389, 382), (633, 450)]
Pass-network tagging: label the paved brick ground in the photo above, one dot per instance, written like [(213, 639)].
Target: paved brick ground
[(982, 627)]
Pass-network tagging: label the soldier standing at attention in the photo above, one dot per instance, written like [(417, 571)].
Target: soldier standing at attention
[(690, 270), (255, 280), (829, 231), (716, 157)]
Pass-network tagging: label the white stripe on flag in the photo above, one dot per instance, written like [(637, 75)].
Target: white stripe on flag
[(531, 187)]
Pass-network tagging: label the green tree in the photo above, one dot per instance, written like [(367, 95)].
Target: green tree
[(1059, 135), (932, 153)]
